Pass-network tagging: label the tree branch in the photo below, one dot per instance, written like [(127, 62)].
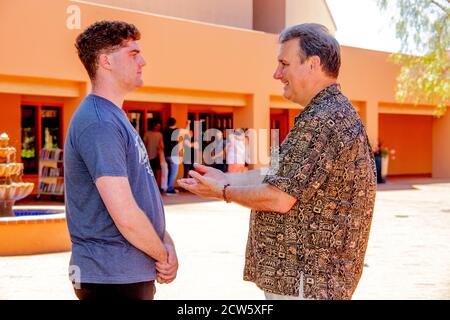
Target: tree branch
[(440, 6)]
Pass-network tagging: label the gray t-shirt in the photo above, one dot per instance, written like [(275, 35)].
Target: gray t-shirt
[(102, 142)]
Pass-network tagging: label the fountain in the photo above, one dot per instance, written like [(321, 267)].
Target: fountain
[(28, 229), (11, 186)]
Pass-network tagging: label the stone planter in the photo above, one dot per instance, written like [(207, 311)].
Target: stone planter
[(38, 234)]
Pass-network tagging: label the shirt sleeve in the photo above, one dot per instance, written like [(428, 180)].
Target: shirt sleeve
[(307, 163), (103, 150)]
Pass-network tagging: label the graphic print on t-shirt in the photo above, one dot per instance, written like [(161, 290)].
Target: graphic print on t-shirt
[(143, 156)]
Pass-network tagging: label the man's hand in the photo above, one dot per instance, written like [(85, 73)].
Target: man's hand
[(167, 271), (203, 186), (212, 173)]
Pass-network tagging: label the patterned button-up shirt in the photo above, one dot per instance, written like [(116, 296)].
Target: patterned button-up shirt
[(327, 164)]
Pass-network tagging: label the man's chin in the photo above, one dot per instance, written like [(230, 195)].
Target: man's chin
[(287, 95), (139, 83)]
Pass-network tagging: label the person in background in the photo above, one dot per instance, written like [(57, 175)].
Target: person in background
[(153, 140), (235, 151), (172, 152), (190, 150), (214, 153), (220, 153)]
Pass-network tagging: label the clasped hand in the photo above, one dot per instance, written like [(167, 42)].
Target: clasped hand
[(166, 271)]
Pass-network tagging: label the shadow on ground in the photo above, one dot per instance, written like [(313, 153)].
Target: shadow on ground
[(393, 184)]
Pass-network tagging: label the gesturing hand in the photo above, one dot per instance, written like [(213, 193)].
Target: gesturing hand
[(205, 186), (209, 172)]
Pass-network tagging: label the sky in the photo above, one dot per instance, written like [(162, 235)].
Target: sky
[(361, 24)]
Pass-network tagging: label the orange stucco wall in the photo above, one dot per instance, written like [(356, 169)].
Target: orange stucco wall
[(10, 119), (292, 115), (361, 107), (182, 56), (441, 143), (411, 138), (235, 13), (269, 16), (273, 16), (365, 75)]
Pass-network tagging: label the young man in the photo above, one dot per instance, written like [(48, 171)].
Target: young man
[(311, 215), (114, 211)]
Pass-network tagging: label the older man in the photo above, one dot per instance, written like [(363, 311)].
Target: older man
[(311, 214)]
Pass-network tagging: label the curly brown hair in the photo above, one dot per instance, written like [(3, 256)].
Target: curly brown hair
[(103, 37)]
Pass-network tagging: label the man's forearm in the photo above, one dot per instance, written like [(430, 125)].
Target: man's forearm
[(139, 231), (262, 197), (248, 178), (131, 221), (244, 189)]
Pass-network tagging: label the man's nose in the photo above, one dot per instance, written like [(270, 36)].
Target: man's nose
[(143, 62), (277, 74)]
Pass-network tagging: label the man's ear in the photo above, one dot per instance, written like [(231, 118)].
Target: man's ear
[(104, 61), (314, 63)]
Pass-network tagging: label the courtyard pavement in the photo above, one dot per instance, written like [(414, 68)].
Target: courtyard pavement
[(408, 255)]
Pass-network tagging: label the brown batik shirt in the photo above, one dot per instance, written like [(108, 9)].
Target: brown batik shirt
[(327, 164)]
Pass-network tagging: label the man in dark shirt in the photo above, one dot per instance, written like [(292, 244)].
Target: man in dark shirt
[(311, 213)]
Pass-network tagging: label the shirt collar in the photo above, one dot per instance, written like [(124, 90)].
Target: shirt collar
[(331, 90)]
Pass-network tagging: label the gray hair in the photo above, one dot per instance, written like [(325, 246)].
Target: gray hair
[(315, 40)]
